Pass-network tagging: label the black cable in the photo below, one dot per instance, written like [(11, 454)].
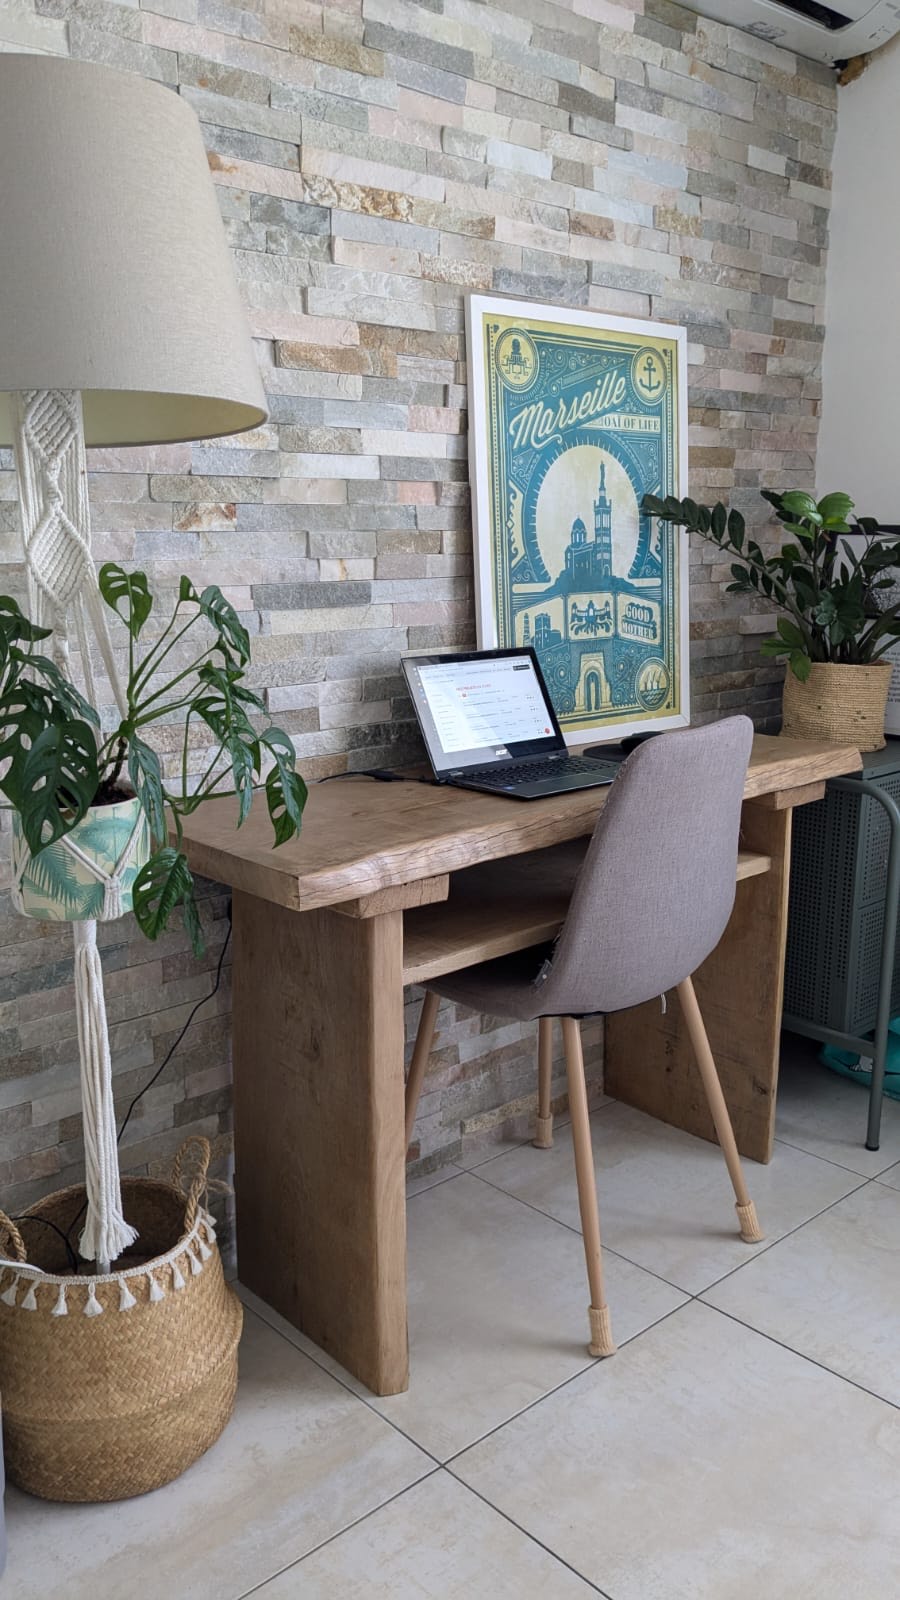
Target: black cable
[(160, 1069), (380, 774), (46, 1223), (169, 1053)]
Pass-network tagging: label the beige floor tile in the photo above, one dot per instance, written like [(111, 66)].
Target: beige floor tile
[(427, 1180), (832, 1291), (665, 1198), (300, 1460), (498, 1312), (891, 1177), (825, 1114), (437, 1541), (704, 1462)]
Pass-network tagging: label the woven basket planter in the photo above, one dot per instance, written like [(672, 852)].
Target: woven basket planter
[(65, 883), (114, 1385), (843, 704)]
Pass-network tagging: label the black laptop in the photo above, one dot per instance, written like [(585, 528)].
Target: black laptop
[(488, 723)]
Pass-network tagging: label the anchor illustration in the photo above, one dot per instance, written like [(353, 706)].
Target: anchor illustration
[(648, 383)]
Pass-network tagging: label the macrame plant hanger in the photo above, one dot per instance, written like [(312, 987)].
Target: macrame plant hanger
[(63, 590)]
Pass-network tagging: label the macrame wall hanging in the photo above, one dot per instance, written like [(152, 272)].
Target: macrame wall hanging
[(63, 593)]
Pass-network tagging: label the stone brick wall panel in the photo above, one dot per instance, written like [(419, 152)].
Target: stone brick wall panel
[(374, 159)]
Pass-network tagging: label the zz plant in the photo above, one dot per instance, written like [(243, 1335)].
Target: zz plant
[(831, 594), (57, 764)]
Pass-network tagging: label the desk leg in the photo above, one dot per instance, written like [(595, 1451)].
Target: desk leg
[(319, 1144), (649, 1062)]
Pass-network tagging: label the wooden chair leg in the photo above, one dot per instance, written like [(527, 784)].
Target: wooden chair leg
[(598, 1312), (543, 1128), (421, 1052), (751, 1232)]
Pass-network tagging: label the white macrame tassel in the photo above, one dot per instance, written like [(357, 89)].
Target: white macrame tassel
[(29, 1303), (126, 1298), (112, 900), (92, 1306), (106, 1233), (203, 1247), (60, 1309), (177, 1276), (9, 1294), (156, 1293)]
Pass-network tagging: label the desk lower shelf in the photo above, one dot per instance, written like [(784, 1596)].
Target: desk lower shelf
[(502, 906)]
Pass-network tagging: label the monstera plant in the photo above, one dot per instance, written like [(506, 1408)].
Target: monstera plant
[(65, 779)]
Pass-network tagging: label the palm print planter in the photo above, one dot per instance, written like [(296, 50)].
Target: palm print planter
[(88, 874)]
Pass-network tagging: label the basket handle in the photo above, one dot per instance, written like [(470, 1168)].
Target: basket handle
[(195, 1152), (9, 1230)]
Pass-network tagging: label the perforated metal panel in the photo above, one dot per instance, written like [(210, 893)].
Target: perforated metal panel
[(836, 908)]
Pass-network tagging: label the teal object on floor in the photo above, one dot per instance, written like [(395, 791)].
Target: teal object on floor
[(846, 1062)]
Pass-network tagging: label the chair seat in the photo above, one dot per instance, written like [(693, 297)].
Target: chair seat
[(500, 988)]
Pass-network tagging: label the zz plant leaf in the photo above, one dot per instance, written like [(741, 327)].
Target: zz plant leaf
[(828, 578)]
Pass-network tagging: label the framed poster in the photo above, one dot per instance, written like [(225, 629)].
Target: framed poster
[(573, 417)]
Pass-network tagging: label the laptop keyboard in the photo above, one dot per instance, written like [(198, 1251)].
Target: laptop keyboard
[(536, 771)]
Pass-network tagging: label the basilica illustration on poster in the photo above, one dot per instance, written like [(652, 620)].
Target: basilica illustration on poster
[(573, 418)]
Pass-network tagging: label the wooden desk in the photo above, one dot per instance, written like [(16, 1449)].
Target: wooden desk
[(319, 972)]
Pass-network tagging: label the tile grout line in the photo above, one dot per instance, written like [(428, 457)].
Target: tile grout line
[(532, 1536), (342, 1381), (767, 1244), (593, 1365), (323, 1543), (801, 1354), (772, 1243), (869, 1176), (608, 1249)]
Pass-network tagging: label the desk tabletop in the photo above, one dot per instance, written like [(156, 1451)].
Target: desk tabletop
[(361, 837)]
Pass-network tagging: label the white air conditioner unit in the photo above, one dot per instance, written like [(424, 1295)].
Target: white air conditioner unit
[(827, 30)]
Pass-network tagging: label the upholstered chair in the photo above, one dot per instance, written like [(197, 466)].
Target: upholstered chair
[(651, 900)]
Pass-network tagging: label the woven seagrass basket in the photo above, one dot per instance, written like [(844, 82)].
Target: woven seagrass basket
[(114, 1385), (845, 704)]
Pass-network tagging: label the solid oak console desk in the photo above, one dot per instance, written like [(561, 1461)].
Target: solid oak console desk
[(389, 884)]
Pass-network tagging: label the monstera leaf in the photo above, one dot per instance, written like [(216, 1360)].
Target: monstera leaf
[(57, 782), (146, 776), (163, 883), (128, 594), (233, 636), (286, 793)]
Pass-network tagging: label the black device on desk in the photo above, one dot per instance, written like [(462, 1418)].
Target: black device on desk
[(488, 723)]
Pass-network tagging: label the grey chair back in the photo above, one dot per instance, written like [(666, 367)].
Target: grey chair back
[(657, 885)]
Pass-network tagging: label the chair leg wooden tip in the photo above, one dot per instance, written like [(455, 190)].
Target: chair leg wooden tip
[(602, 1342), (543, 1133), (751, 1232)]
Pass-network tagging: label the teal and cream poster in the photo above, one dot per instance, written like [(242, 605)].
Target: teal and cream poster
[(573, 418)]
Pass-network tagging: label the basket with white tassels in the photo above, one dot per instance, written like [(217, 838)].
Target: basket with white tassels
[(114, 1383)]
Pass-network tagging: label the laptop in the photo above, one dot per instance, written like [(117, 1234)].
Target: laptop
[(489, 724)]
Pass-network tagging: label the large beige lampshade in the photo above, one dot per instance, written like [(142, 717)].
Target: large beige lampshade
[(115, 275)]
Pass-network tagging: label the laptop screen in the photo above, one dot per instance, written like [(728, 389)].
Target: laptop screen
[(482, 709)]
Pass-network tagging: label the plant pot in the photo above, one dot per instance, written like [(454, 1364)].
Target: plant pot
[(88, 874), (113, 1385), (843, 704)]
